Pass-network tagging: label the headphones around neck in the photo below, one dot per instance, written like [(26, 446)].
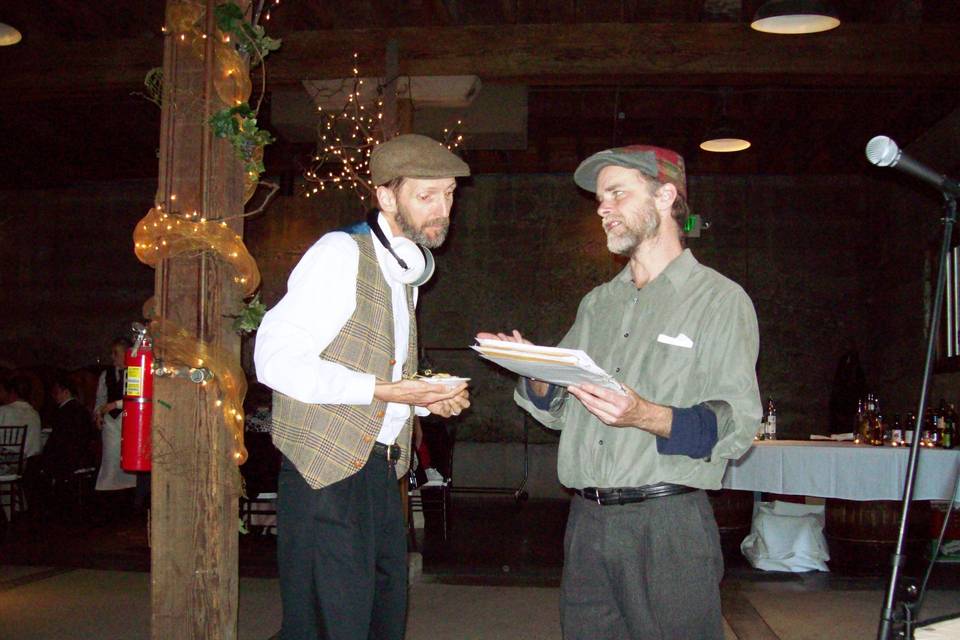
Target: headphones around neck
[(414, 265)]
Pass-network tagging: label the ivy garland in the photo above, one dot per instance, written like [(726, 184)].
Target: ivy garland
[(250, 317), (250, 39), (238, 125)]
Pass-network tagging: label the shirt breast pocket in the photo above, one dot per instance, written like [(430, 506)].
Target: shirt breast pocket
[(671, 371)]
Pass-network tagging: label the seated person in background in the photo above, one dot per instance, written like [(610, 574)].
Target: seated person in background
[(17, 411), (70, 446)]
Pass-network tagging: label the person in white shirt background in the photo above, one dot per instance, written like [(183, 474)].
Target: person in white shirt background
[(17, 411)]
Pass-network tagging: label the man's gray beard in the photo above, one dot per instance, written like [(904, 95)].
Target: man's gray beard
[(626, 243), (418, 235)]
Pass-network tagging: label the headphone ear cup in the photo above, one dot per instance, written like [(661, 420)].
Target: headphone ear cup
[(428, 267), (417, 261)]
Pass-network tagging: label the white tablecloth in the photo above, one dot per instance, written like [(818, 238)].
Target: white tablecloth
[(841, 470)]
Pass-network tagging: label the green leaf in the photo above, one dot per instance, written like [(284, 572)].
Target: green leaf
[(251, 316), (228, 15), (238, 125)]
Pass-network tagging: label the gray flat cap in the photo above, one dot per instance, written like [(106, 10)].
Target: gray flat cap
[(414, 156)]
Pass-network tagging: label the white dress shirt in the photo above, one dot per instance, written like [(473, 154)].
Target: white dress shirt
[(320, 299), (21, 412)]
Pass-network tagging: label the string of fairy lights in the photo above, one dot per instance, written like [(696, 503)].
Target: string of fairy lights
[(166, 231), (347, 136), (266, 12)]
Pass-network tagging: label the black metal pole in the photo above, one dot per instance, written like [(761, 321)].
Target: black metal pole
[(897, 560)]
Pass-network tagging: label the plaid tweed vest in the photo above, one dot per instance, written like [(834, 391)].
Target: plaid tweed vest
[(326, 442)]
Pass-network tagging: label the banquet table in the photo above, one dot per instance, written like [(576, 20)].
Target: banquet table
[(842, 470)]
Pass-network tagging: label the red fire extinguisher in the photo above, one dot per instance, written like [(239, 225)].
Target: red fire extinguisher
[(137, 405)]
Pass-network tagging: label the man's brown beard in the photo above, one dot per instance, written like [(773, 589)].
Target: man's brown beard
[(649, 224), (418, 235)]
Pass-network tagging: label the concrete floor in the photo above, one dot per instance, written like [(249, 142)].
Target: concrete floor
[(495, 577), (43, 603)]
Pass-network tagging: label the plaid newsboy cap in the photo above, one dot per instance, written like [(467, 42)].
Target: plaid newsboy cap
[(662, 164)]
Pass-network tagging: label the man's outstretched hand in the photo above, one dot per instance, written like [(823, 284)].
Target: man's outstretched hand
[(538, 387), (506, 337), (436, 398)]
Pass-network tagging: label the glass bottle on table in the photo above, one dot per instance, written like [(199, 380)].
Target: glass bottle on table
[(945, 425), (875, 432), (909, 428), (896, 431), (866, 422), (952, 428), (770, 432), (929, 437), (859, 429)]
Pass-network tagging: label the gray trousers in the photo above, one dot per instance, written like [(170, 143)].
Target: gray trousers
[(649, 570)]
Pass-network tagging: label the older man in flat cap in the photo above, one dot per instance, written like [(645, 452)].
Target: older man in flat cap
[(642, 551), (339, 350)]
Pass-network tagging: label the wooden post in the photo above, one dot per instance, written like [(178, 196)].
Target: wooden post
[(195, 481)]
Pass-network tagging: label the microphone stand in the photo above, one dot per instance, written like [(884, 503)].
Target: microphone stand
[(887, 619)]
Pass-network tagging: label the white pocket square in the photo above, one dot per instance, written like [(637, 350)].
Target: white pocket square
[(680, 341)]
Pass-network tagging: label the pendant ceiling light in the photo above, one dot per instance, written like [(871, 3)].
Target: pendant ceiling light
[(795, 17), (8, 35), (724, 134), (723, 138)]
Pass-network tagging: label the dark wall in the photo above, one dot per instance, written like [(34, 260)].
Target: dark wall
[(822, 271), (69, 282), (901, 268), (524, 249)]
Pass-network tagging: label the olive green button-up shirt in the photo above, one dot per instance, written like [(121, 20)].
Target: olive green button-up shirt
[(689, 336)]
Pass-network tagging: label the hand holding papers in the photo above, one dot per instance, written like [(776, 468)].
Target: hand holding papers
[(558, 366)]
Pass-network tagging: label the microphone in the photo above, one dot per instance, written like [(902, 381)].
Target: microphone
[(884, 152)]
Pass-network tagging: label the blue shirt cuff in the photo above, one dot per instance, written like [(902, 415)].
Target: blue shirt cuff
[(540, 402), (693, 432)]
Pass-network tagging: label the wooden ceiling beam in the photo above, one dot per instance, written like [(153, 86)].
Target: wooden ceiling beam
[(707, 54)]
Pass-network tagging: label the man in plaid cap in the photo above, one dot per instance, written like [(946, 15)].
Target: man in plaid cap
[(642, 551), (339, 350)]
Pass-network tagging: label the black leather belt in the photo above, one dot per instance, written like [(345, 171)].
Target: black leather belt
[(391, 452), (628, 495)]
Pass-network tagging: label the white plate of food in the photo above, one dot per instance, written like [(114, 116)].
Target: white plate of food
[(444, 379)]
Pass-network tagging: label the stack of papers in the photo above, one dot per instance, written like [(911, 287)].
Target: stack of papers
[(558, 366)]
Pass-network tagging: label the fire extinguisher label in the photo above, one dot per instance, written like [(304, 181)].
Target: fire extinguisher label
[(134, 382)]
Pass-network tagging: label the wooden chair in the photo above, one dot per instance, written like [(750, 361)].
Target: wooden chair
[(260, 511), (433, 498), (12, 441)]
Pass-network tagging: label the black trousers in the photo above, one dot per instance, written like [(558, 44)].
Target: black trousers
[(342, 556)]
